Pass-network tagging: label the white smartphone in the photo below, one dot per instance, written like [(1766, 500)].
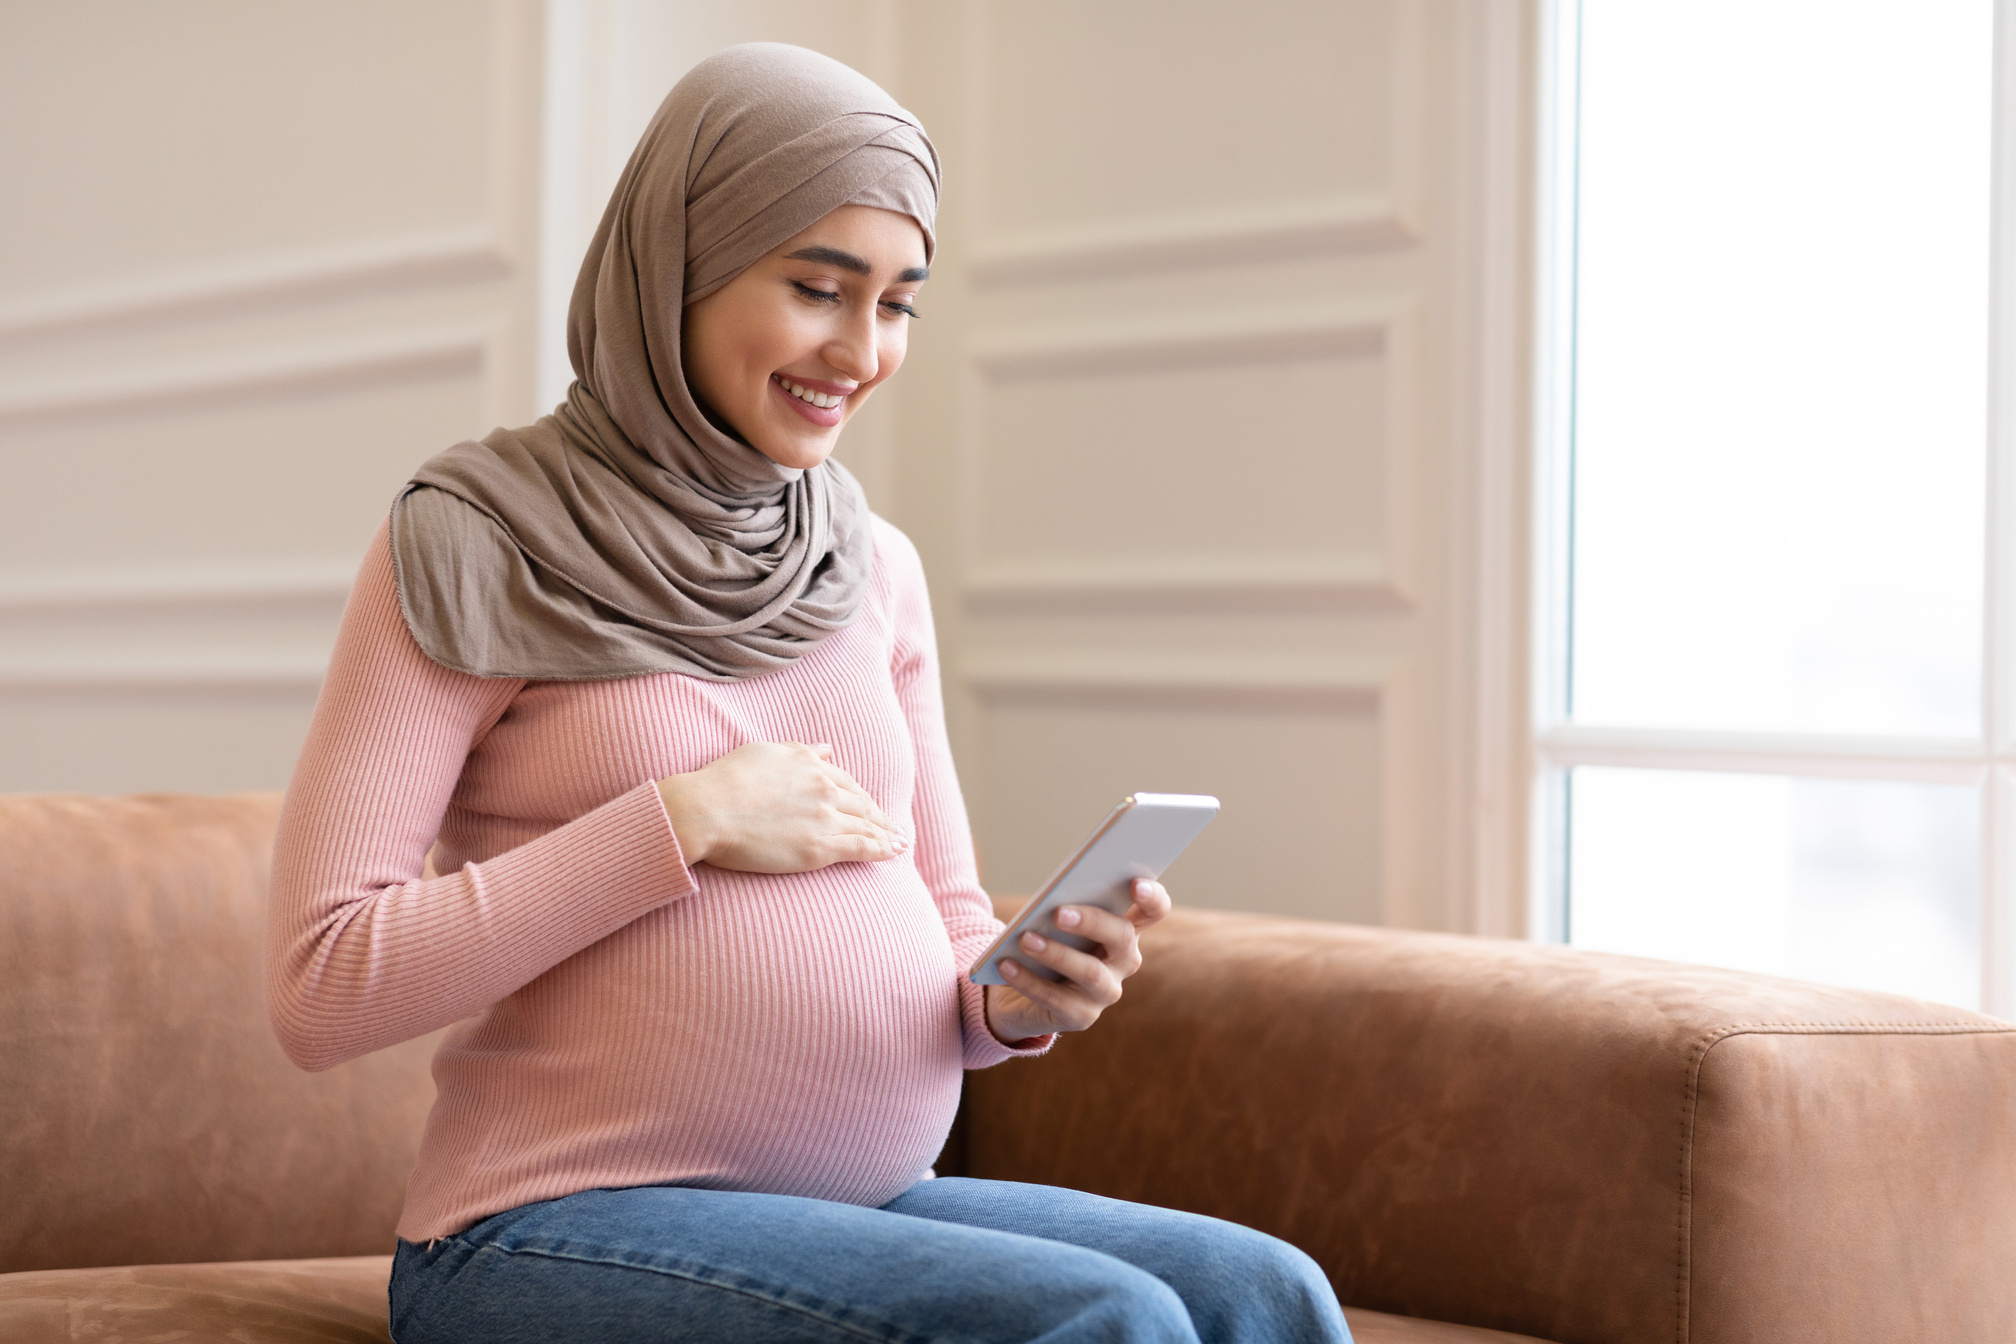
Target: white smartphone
[(1140, 838)]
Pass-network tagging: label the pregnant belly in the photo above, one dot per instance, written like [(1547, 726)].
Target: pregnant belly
[(797, 1035)]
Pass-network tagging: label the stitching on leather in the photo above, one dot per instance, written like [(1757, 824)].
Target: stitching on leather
[(1690, 1105), (1859, 1028)]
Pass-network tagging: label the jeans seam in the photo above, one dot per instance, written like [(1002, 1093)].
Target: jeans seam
[(688, 1277)]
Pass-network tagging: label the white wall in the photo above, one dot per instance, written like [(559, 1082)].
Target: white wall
[(1213, 435), (259, 260)]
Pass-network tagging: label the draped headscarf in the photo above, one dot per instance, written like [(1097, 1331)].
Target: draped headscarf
[(625, 534)]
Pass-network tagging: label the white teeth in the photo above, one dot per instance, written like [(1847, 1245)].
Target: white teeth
[(824, 400)]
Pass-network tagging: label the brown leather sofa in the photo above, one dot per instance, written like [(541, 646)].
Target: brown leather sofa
[(1470, 1136)]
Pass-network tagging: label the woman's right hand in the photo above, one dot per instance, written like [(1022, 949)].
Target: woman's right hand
[(777, 807)]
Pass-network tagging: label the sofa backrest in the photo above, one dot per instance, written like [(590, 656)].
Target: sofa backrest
[(1584, 1148), (147, 1115)]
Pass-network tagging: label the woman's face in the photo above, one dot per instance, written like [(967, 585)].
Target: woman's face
[(787, 351)]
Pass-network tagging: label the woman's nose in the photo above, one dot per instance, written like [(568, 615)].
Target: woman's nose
[(852, 349)]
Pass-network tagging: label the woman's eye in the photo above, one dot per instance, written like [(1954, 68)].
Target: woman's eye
[(817, 295), (896, 307)]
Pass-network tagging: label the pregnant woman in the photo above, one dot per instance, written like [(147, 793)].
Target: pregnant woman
[(661, 695)]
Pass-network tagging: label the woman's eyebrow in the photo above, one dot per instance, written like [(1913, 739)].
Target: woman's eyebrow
[(847, 261), (832, 256)]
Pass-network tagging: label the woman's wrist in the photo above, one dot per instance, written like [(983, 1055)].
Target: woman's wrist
[(1001, 1023), (687, 818)]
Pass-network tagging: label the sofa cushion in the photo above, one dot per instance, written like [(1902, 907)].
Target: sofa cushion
[(149, 1115), (250, 1302), (306, 1301), (1377, 1327)]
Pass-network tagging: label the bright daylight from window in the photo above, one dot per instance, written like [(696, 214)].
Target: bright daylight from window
[(1768, 734)]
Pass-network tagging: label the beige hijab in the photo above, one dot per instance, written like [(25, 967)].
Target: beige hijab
[(624, 534)]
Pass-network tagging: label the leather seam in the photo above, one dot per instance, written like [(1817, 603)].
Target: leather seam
[(1690, 1107)]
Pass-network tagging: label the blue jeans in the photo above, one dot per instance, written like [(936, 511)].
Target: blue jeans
[(950, 1259)]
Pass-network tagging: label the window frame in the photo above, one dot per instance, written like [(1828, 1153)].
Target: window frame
[(1560, 745)]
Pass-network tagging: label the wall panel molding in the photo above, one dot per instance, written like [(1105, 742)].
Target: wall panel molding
[(452, 352), (1370, 222), (1368, 582), (173, 635), (1376, 689), (220, 583), (142, 671), (1381, 220), (1158, 341), (239, 652), (398, 265), (238, 623), (1338, 684), (1357, 584)]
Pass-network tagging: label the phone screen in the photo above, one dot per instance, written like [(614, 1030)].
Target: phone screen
[(1139, 838)]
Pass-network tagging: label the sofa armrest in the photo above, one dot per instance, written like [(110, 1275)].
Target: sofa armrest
[(147, 1114), (1587, 1148)]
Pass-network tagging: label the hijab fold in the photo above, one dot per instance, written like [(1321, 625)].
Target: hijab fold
[(626, 534)]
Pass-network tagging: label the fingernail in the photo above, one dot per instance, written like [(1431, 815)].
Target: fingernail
[(1033, 941), (1010, 969), (1068, 917)]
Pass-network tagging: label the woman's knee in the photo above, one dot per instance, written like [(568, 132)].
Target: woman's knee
[(1116, 1301), (1248, 1286)]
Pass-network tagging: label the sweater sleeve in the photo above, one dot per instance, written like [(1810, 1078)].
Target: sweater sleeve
[(944, 848), (362, 951)]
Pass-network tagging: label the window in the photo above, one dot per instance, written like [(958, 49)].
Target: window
[(1777, 732)]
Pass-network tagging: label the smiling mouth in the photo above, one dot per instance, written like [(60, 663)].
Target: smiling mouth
[(823, 400)]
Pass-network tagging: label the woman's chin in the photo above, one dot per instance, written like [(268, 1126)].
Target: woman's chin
[(793, 451)]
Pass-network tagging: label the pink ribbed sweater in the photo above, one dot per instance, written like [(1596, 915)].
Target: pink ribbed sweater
[(624, 1019)]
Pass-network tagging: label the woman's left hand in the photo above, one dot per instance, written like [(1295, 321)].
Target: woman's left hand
[(1029, 1005)]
